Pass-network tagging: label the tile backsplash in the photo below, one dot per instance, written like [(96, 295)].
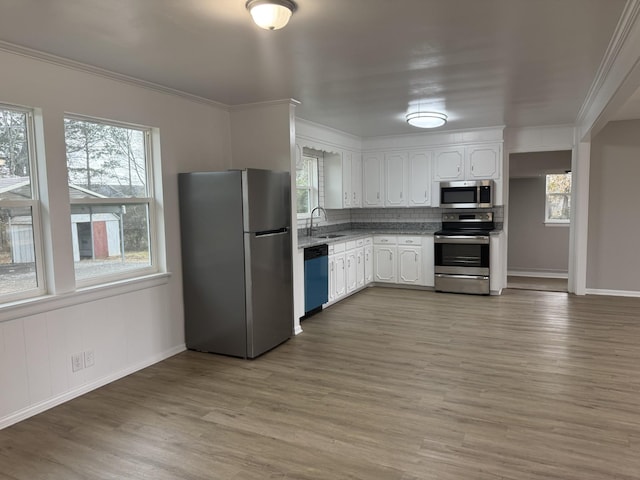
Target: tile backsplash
[(421, 218)]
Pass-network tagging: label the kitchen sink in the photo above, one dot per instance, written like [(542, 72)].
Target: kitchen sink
[(330, 235)]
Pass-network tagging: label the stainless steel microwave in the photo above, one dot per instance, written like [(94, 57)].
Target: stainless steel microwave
[(467, 194)]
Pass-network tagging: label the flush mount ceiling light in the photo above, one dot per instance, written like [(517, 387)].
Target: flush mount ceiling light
[(271, 14), (426, 119)]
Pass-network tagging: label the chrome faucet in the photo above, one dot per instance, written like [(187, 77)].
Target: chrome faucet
[(311, 223)]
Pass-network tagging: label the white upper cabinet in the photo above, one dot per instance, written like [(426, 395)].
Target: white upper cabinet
[(482, 162), (419, 179), (346, 179), (342, 180), (356, 180), (448, 164), (395, 177), (372, 186), (473, 162)]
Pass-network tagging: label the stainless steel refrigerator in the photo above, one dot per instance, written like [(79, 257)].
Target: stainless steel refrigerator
[(236, 260)]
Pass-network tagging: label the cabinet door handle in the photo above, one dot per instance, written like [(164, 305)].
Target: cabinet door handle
[(409, 241), (416, 255), (458, 169), (378, 195), (346, 196), (354, 195), (400, 195), (390, 255), (425, 194)]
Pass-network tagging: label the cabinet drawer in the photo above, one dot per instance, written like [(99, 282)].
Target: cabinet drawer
[(409, 240), (337, 248), (351, 244), (384, 240), (368, 241), (360, 242)]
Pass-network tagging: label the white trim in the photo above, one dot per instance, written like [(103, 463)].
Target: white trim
[(297, 329), (597, 98), (47, 303), (249, 106), (77, 392), (579, 231), (613, 293), (537, 274)]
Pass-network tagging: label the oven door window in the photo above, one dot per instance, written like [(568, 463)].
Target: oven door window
[(462, 255)]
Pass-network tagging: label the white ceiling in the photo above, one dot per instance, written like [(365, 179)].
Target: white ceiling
[(355, 65)]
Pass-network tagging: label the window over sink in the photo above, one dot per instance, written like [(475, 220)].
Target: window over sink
[(307, 192)]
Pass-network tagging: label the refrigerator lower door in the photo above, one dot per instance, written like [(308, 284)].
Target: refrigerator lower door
[(269, 291)]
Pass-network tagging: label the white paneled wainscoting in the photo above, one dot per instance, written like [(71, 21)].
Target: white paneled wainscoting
[(111, 337)]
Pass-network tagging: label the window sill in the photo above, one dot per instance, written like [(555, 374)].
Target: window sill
[(557, 224), (46, 303)]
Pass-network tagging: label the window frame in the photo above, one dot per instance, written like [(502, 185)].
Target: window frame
[(150, 201), (35, 205), (556, 222), (314, 188)]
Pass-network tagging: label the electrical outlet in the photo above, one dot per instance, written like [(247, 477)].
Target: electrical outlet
[(89, 358), (77, 362)]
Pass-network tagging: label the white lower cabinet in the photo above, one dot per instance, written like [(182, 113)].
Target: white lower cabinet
[(385, 252), (399, 259), (347, 267), (404, 259), (496, 267), (351, 268), (428, 274), (337, 272), (368, 261)]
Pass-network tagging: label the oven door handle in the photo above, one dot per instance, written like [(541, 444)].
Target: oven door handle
[(464, 277), (462, 239)]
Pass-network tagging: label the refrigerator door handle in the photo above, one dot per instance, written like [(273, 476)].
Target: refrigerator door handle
[(270, 233)]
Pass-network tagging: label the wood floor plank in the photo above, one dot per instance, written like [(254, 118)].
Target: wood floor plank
[(388, 384)]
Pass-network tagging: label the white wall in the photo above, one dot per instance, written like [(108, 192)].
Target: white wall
[(127, 328)]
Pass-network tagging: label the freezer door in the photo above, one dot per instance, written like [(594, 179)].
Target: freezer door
[(267, 200), (269, 277)]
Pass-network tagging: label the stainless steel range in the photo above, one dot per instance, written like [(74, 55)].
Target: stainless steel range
[(462, 253)]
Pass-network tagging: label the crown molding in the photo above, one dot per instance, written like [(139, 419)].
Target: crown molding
[(118, 77), (597, 93)]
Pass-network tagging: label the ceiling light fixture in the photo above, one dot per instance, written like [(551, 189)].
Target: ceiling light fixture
[(426, 119), (271, 14)]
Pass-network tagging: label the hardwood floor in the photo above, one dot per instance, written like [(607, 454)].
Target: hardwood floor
[(388, 384)]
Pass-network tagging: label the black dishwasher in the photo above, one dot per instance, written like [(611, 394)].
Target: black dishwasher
[(316, 278)]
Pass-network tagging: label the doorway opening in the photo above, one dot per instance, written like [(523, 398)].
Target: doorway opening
[(539, 220)]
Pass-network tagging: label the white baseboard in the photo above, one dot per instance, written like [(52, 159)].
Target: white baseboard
[(537, 274), (612, 293), (76, 392)]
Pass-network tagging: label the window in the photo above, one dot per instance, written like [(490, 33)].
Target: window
[(558, 198), (21, 268), (111, 195), (306, 185)]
